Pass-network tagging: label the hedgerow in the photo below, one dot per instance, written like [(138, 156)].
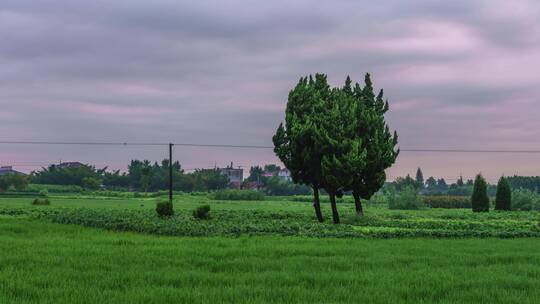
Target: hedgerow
[(449, 202), (237, 195)]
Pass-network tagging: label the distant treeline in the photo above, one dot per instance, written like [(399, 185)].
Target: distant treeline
[(525, 182), (144, 176), (141, 176)]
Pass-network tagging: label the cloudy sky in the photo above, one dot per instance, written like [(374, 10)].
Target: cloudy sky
[(458, 74)]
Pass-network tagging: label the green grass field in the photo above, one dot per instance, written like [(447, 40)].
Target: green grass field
[(261, 252)]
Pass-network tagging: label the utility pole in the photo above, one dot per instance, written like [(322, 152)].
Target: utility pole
[(170, 174)]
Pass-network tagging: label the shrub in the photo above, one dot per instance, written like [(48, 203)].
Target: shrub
[(41, 202), (378, 199), (164, 209), (524, 199), (237, 195), (503, 199), (202, 212), (479, 198), (44, 193), (445, 201), (407, 199)]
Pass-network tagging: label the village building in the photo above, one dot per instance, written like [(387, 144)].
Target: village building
[(9, 170), (285, 174), (235, 175)]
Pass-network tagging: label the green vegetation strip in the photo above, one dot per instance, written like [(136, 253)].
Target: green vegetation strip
[(48, 263), (229, 221)]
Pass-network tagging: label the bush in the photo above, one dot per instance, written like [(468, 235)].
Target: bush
[(448, 202), (503, 200), (479, 198), (164, 209), (44, 193), (524, 199), (237, 195), (41, 202), (202, 212), (407, 199)]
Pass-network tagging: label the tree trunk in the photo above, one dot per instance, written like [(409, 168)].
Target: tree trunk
[(358, 204), (317, 204), (335, 214)]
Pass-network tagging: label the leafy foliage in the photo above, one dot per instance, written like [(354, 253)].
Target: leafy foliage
[(18, 181), (277, 186), (43, 193), (237, 195), (401, 183), (448, 202), (375, 138), (141, 176), (525, 199), (407, 199), (525, 182), (164, 208), (330, 133), (74, 175), (380, 223), (202, 212), (41, 202)]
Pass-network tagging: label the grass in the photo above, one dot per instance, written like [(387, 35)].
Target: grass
[(270, 251), (50, 263)]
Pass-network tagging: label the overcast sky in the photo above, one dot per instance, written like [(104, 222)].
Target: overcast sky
[(458, 74)]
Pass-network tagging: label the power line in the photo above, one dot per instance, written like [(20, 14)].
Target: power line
[(183, 144), (81, 143), (469, 151)]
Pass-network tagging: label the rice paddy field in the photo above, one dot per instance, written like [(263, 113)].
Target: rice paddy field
[(91, 249)]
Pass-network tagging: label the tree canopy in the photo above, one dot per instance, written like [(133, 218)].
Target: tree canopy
[(336, 139)]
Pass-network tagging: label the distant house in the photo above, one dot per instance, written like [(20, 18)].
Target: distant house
[(268, 174), (9, 170), (67, 165), (285, 174), (252, 186), (235, 175)]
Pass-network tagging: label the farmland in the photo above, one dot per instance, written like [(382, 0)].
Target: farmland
[(276, 216), (261, 251)]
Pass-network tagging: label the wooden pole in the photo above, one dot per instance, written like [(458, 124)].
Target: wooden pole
[(170, 174)]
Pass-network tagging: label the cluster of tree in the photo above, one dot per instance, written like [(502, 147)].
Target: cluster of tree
[(437, 186), (266, 179), (525, 182), (84, 175), (17, 181), (336, 139), (480, 199), (141, 176), (257, 174)]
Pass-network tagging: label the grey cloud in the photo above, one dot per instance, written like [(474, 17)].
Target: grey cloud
[(220, 71)]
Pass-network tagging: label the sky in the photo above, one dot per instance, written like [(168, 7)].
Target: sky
[(458, 74)]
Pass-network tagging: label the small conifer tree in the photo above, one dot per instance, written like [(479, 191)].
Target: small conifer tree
[(503, 200), (480, 199)]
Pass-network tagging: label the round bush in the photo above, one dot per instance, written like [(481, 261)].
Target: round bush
[(202, 212)]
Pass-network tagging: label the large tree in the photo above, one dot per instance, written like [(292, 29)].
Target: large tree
[(294, 141), (336, 139), (343, 152), (375, 137)]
